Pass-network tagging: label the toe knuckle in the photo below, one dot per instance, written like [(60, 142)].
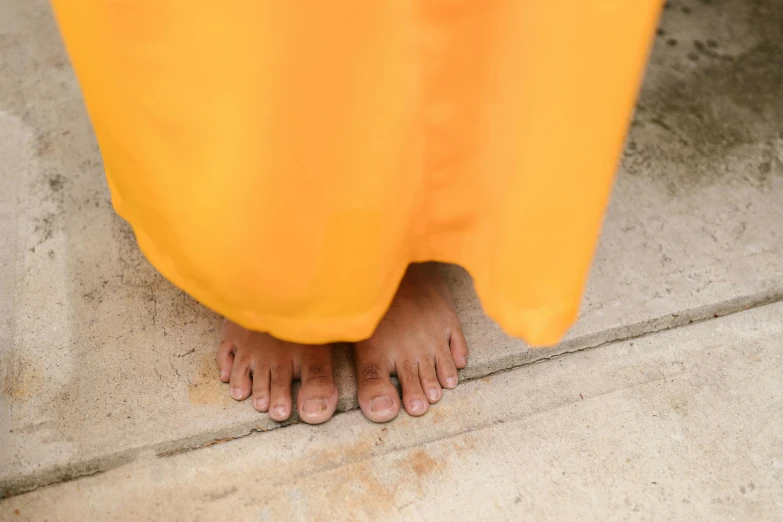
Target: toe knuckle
[(370, 372), (277, 369), (316, 369), (410, 370), (318, 379)]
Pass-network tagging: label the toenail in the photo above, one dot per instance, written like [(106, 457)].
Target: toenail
[(381, 404), (433, 394), (236, 393), (451, 382), (223, 375), (417, 406), (279, 411), (261, 403), (314, 406)]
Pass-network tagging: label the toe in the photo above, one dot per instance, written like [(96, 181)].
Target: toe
[(225, 359), (429, 381), (280, 400), (459, 348), (445, 369), (317, 398), (413, 398), (378, 398), (261, 383), (240, 378)]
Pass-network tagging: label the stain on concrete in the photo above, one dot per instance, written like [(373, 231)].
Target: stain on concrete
[(422, 463), (27, 379), (43, 146), (369, 497), (437, 415), (56, 182), (344, 453), (372, 493), (465, 446), (44, 227), (205, 386), (711, 105)]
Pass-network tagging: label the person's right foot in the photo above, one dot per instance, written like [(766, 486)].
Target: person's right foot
[(259, 363)]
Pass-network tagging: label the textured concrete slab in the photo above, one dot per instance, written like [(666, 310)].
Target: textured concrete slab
[(103, 360), (679, 425)]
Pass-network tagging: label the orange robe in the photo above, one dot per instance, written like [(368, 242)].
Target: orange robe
[(284, 161)]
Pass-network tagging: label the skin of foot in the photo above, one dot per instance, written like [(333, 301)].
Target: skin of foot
[(259, 365), (419, 340)]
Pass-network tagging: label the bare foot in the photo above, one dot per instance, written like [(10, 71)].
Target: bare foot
[(419, 340), (258, 362)]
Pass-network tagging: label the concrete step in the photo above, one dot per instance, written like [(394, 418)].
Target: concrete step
[(681, 425)]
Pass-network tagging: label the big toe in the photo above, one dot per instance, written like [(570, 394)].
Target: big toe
[(317, 398), (378, 398)]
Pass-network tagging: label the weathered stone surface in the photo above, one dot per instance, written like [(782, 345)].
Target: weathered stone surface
[(102, 360)]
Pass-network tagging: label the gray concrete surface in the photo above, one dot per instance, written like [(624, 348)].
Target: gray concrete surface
[(684, 424), (103, 362)]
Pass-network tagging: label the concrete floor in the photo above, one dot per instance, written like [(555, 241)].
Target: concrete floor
[(106, 370)]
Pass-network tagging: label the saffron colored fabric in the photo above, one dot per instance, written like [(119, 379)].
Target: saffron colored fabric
[(284, 161)]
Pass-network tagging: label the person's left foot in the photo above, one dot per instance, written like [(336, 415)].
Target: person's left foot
[(420, 340)]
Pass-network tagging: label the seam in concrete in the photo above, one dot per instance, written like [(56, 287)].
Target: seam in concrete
[(709, 315), (23, 484), (395, 450)]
